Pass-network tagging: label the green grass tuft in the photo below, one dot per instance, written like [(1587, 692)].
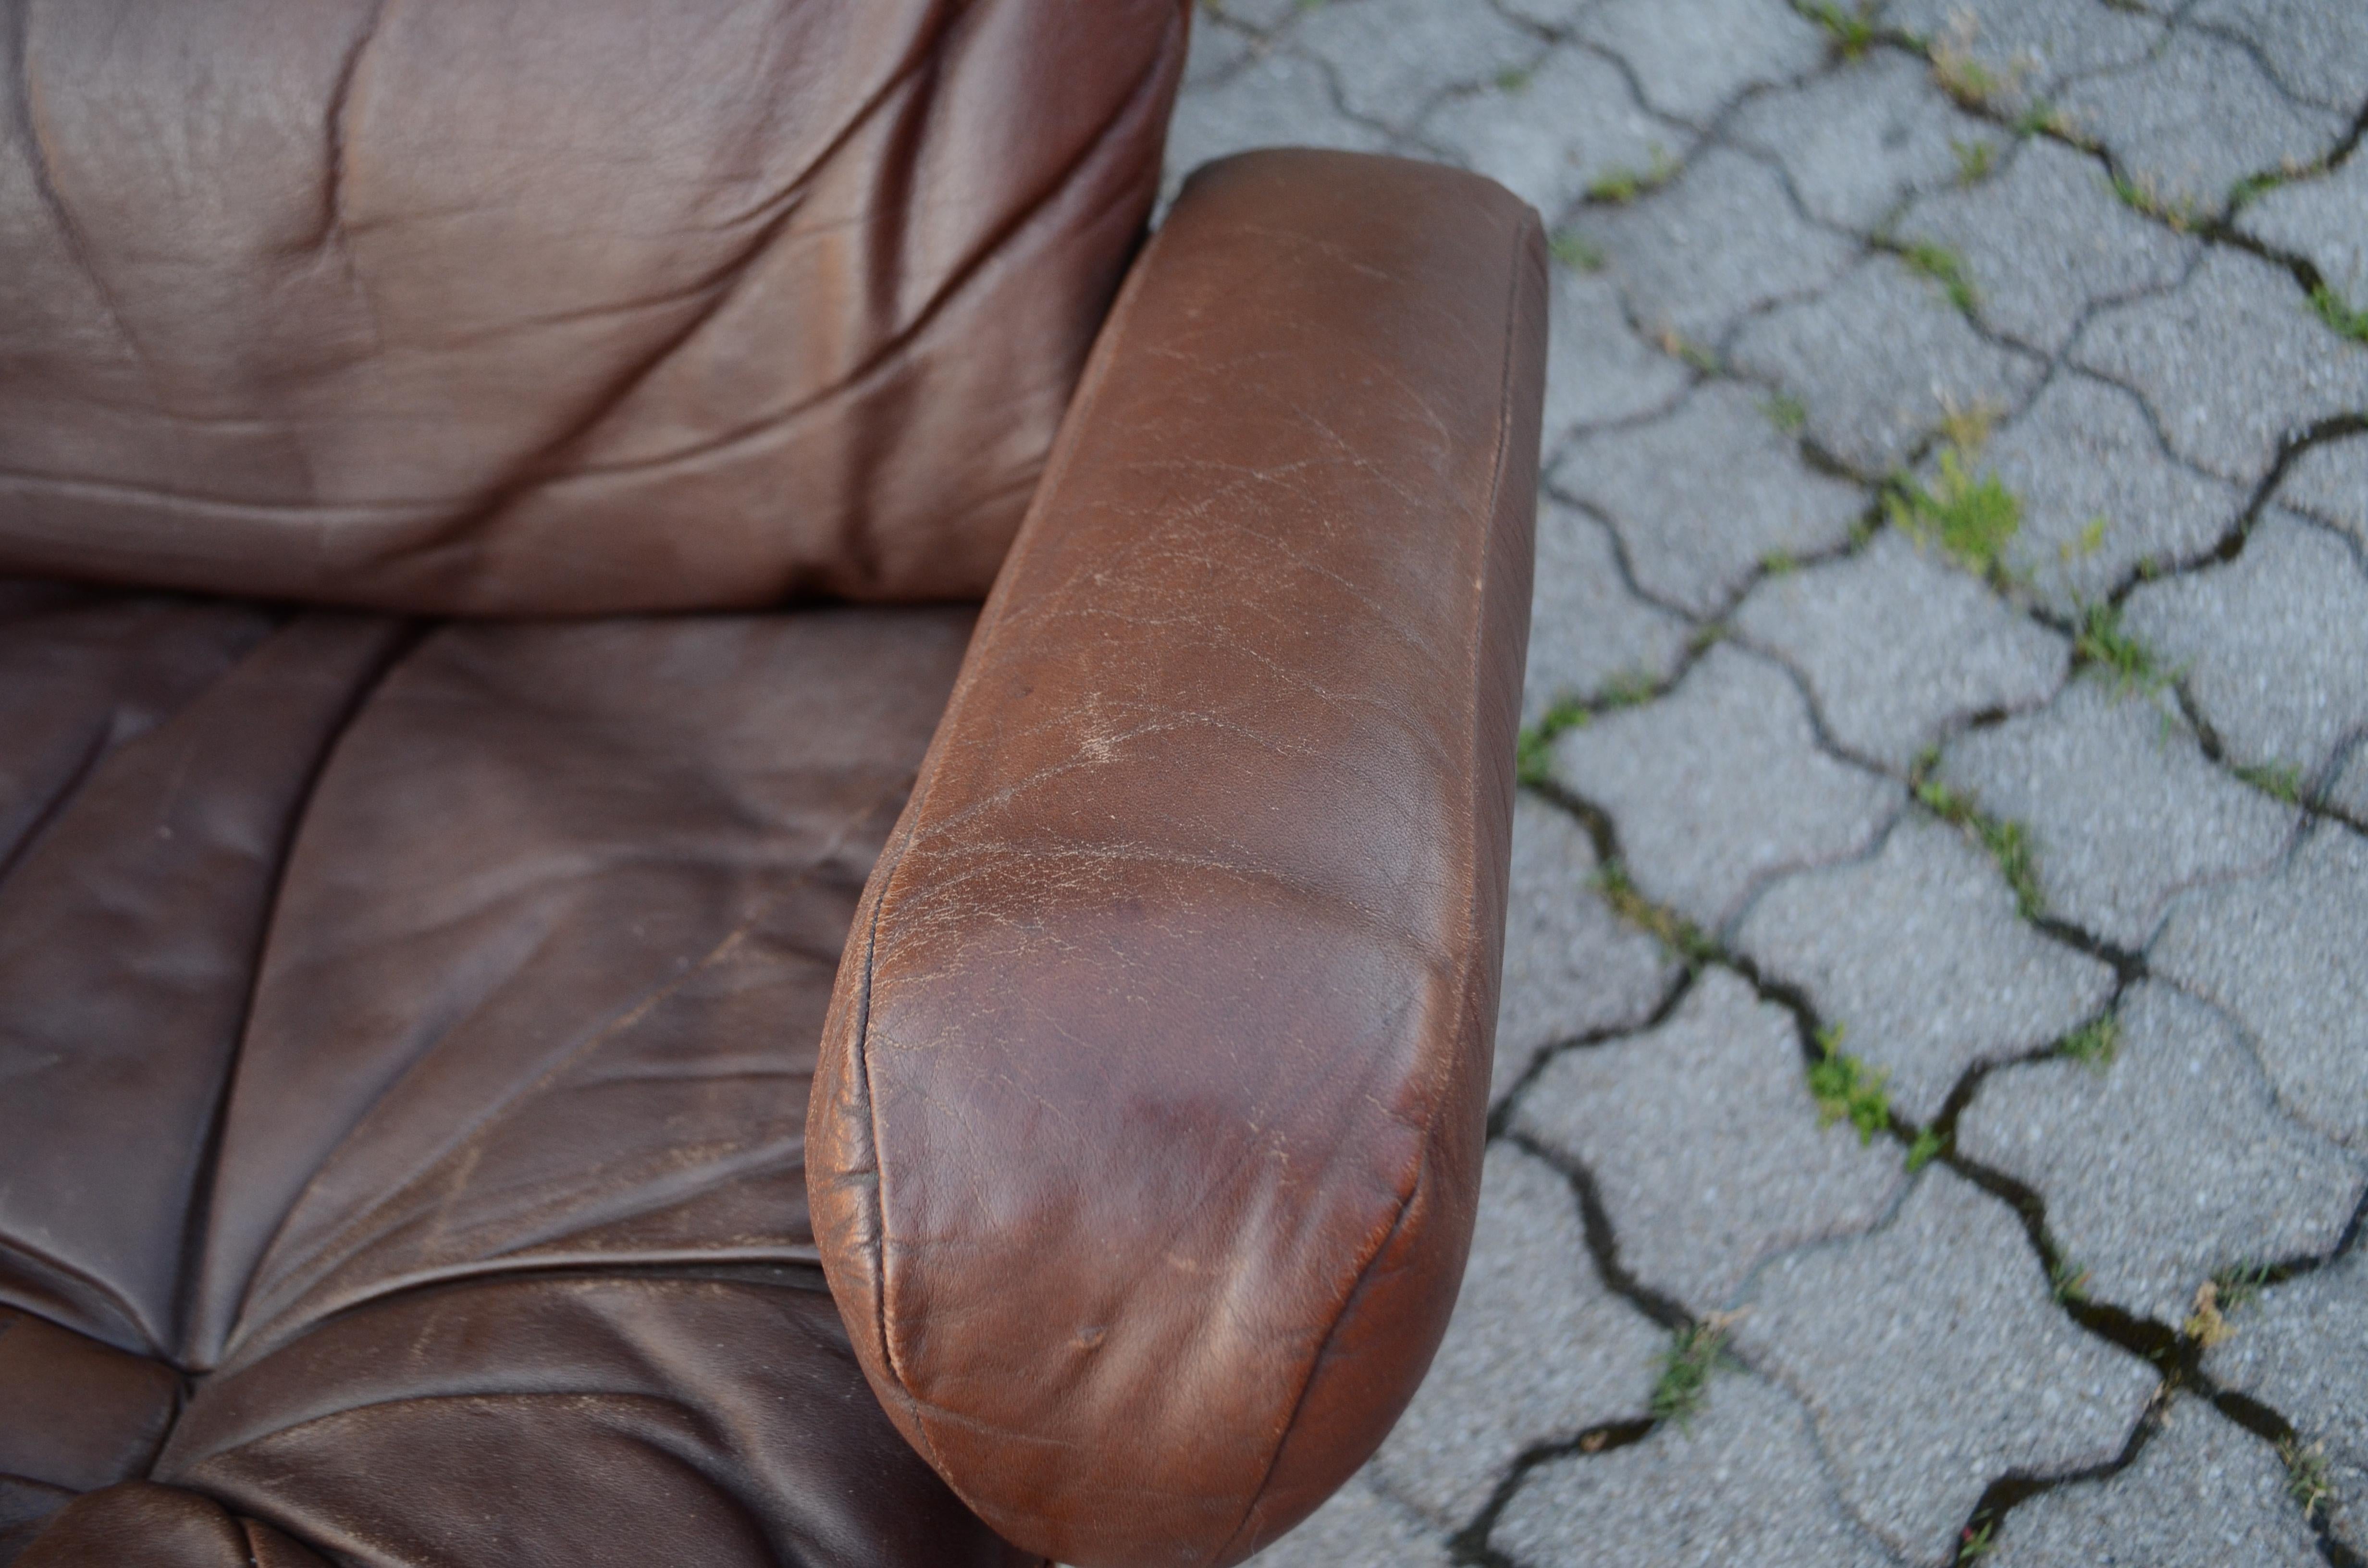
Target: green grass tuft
[(1680, 937), (1576, 252), (2307, 1482), (2095, 1042), (1945, 267), (2238, 1286), (1846, 1089), (2141, 196), (1851, 33), (1512, 80), (1785, 412), (2281, 779), (2008, 842), (1620, 186), (1926, 1149), (1533, 748), (1970, 518), (2340, 317), (1686, 1366), (2067, 1281), (1975, 160), (2102, 643)]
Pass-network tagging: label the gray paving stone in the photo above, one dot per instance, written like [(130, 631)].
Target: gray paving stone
[(1897, 647), (1598, 370), (2302, 1349), (1702, 494), (1918, 955), (1932, 1361), (1219, 47), (1557, 16), (1572, 968), (1549, 135), (2228, 362), (2349, 793), (2032, 47), (2168, 1164), (1877, 357), (1358, 1529), (1722, 239), (1277, 98), (2200, 116), (1538, 1349), (2317, 51), (1261, 16), (1740, 1484), (1863, 137), (1704, 1140), (2123, 809), (1586, 627), (1720, 784), (2274, 642), (2044, 240), (2084, 450), (2320, 219), (2283, 952), (2203, 1493), (1393, 57), (2329, 482), (1692, 57)]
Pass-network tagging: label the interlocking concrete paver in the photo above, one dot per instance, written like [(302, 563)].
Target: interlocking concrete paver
[(1739, 1483), (1948, 647), (1587, 629), (2167, 1164), (2203, 1493), (1538, 1349), (2274, 643), (2043, 240), (2083, 451), (1702, 496), (2186, 125), (1722, 783), (1393, 57), (1277, 98), (2349, 793), (2030, 48), (1721, 239), (1598, 370), (2229, 363), (1361, 1528), (2317, 52), (2302, 1347), (1572, 968), (2329, 482), (1549, 134), (1703, 1141), (2319, 219), (1858, 140), (1918, 955), (2282, 953), (1219, 47), (2123, 808), (1693, 56), (1933, 1361), (1879, 359)]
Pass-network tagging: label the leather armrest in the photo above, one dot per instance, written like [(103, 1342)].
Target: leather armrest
[(1146, 1138)]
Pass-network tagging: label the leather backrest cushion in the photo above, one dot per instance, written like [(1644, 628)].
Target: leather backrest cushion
[(556, 305)]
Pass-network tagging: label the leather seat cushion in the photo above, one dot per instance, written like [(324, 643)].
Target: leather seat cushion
[(406, 1031)]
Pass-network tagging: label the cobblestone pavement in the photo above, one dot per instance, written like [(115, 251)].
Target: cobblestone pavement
[(1932, 1094)]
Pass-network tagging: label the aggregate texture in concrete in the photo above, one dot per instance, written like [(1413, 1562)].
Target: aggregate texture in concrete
[(1931, 1107)]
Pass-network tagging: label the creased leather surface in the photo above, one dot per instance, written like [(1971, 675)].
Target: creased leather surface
[(406, 1039), (556, 305), (1146, 1137)]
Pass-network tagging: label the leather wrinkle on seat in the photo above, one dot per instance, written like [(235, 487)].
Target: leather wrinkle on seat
[(557, 887)]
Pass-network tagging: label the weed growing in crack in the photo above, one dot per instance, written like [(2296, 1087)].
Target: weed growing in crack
[(1533, 748), (1680, 937), (2090, 540), (2339, 316), (2144, 197), (1945, 267), (2238, 1286), (1846, 1089), (1576, 252), (2102, 642), (1967, 427), (1779, 564), (1971, 519), (2047, 118), (1512, 80), (2206, 1325), (1957, 73), (2280, 780), (1694, 1352), (1708, 636), (1629, 688), (1849, 33), (1925, 1150), (2067, 1282), (1617, 186), (2306, 1478), (2094, 1044), (1975, 160), (1784, 410), (1677, 346), (2007, 842)]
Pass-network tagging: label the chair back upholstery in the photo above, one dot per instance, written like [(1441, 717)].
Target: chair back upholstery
[(536, 306)]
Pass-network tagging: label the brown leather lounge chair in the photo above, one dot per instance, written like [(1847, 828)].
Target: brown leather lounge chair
[(434, 864)]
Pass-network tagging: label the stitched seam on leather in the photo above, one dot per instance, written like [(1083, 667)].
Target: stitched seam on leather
[(1514, 292)]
